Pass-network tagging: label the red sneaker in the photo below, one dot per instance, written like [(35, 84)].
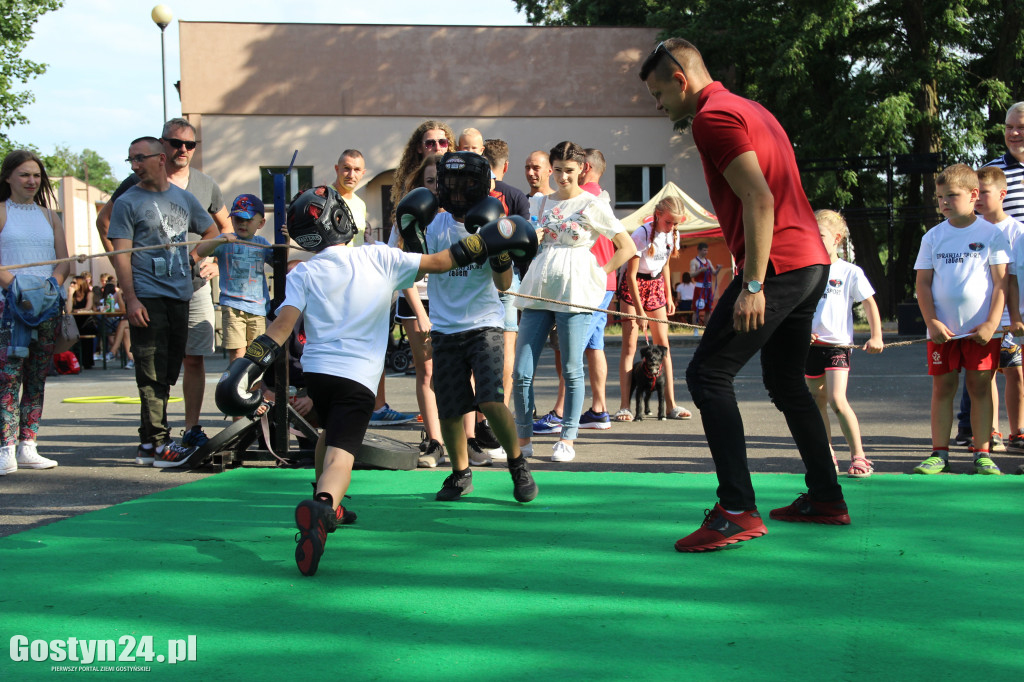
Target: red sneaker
[(315, 519), (806, 510), (721, 528)]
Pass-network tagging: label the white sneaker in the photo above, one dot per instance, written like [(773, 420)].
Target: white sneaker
[(8, 461), (477, 457), (28, 458), (561, 452)]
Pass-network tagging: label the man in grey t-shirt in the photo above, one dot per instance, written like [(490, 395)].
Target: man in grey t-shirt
[(179, 143), (157, 286)]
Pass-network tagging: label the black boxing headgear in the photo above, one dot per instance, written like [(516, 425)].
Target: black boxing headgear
[(463, 181), (319, 218)]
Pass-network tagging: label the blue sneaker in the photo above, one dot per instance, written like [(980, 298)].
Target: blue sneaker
[(194, 437), (385, 416), (549, 423), (595, 420)]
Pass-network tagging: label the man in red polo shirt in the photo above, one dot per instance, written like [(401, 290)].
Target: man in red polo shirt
[(770, 229)]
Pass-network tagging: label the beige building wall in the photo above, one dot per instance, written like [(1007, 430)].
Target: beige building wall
[(257, 92), (79, 203)]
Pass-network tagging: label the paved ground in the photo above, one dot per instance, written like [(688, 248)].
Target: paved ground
[(95, 443)]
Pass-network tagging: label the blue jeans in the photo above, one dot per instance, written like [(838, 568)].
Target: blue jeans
[(790, 301), (534, 327)]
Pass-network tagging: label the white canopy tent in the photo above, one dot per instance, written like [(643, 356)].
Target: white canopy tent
[(696, 218)]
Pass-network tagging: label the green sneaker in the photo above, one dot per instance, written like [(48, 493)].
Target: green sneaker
[(933, 465), (985, 466)]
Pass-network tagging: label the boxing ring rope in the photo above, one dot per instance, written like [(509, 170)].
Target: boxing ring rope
[(642, 318)]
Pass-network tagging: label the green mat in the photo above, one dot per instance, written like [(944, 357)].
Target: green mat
[(581, 584)]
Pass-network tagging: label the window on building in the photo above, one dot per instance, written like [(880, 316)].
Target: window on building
[(635, 185), (301, 178)]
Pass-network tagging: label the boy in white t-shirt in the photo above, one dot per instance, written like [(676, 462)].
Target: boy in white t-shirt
[(961, 286), (991, 192), (828, 361), (344, 296)]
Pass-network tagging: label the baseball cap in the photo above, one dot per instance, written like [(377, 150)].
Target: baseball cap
[(246, 206)]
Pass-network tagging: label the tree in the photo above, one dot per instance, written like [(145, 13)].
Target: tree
[(19, 16), (88, 166), (850, 79)]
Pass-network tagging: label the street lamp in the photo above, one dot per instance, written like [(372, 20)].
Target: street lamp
[(162, 16)]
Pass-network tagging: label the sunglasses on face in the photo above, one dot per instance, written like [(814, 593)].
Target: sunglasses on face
[(178, 144), (662, 49), (436, 144), (139, 158)]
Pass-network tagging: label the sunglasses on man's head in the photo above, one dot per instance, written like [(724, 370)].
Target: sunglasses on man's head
[(178, 144), (436, 144), (664, 49)]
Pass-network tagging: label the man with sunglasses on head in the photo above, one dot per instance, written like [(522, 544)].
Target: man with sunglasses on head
[(179, 145), (755, 188)]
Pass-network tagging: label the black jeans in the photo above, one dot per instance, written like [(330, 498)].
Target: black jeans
[(159, 350), (790, 302)]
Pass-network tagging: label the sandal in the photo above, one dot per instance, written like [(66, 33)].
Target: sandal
[(679, 413), (860, 467), (623, 415)]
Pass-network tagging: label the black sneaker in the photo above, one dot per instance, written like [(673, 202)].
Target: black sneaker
[(964, 437), (314, 519), (194, 437), (455, 486), (478, 457), (524, 488), (485, 436), (175, 455), (431, 455)]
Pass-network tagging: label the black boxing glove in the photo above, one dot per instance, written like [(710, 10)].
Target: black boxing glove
[(414, 212), (514, 235), (501, 262), (233, 396), (488, 210)]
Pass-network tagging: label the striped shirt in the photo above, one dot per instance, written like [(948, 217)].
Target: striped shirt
[(1014, 170)]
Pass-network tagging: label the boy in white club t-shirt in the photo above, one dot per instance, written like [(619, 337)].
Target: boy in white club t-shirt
[(961, 288)]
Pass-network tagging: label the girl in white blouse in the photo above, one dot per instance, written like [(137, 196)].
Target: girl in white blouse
[(569, 221)]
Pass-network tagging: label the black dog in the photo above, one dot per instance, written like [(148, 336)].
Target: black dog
[(648, 377)]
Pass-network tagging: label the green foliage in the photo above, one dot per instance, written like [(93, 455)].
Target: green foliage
[(849, 79), (87, 165), (19, 16)]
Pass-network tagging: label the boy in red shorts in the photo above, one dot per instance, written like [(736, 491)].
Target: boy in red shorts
[(961, 288)]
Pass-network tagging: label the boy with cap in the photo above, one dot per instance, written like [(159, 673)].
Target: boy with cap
[(243, 282)]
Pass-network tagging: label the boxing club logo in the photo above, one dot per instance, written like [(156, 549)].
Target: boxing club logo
[(308, 241), (474, 244), (506, 228)]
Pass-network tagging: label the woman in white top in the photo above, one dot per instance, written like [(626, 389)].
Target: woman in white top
[(648, 280), (564, 270), (29, 232)]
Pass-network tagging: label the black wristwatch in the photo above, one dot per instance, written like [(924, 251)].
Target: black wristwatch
[(753, 286)]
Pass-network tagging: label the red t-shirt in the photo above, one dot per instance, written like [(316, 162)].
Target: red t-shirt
[(726, 126), (603, 249)]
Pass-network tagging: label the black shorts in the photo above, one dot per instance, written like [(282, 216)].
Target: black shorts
[(822, 358), (344, 407), (404, 311), (477, 353)]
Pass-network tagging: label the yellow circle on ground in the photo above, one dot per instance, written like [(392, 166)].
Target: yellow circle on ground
[(95, 399)]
